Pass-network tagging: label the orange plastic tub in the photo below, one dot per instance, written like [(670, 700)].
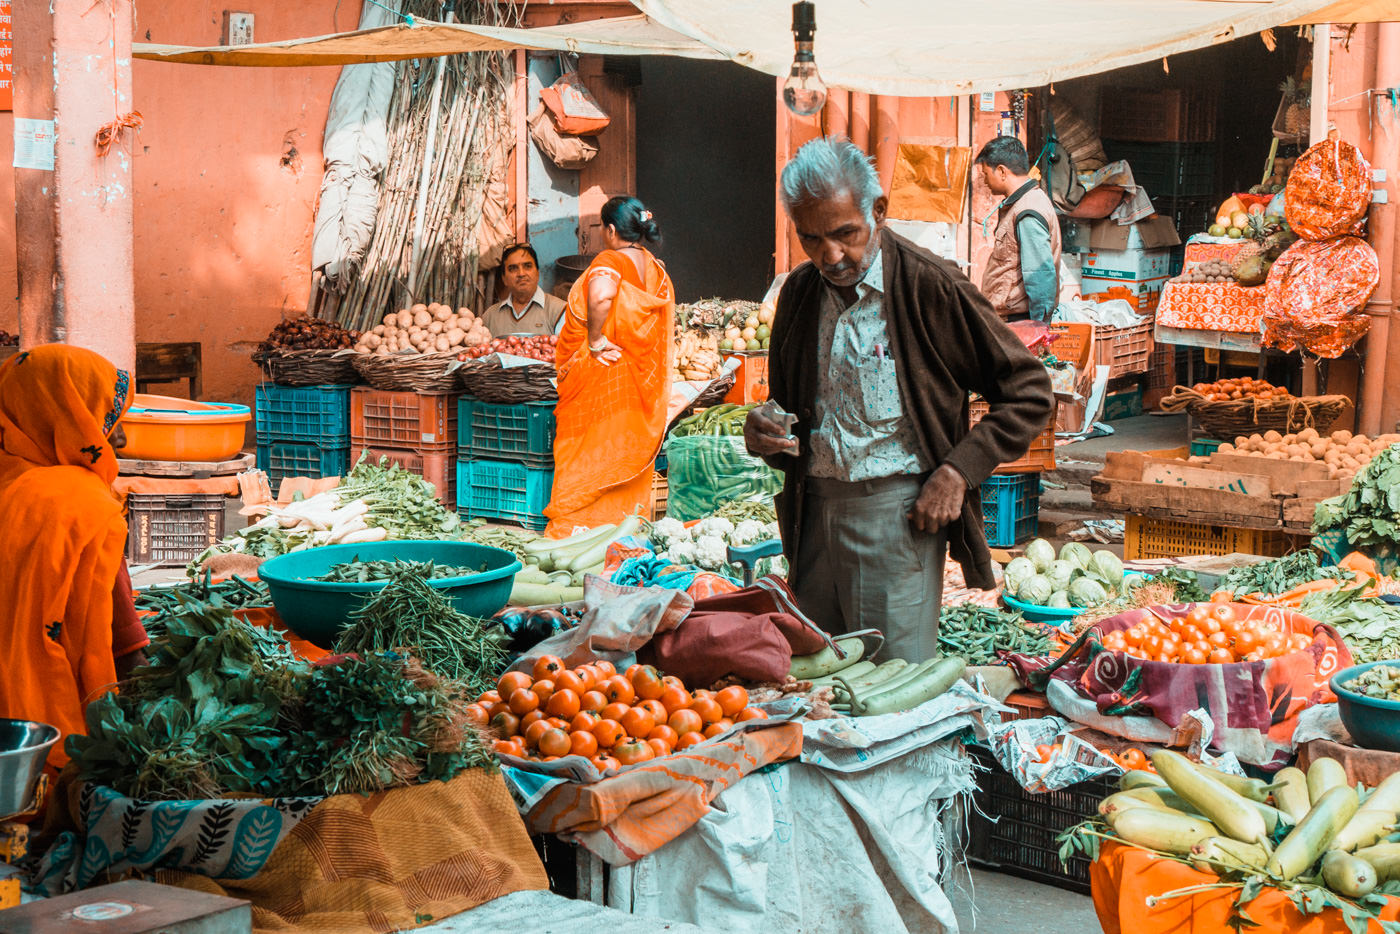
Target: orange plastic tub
[(163, 428)]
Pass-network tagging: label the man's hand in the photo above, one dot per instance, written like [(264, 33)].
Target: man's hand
[(940, 501), (764, 436)]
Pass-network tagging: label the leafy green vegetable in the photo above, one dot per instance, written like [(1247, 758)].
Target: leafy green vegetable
[(1281, 575), (1185, 581), (402, 502), (363, 572), (1370, 510), (1370, 627)]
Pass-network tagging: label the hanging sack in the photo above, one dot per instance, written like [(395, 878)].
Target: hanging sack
[(574, 110), (1061, 179), (567, 152)]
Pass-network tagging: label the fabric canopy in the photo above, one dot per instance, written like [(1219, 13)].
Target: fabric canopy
[(913, 48)]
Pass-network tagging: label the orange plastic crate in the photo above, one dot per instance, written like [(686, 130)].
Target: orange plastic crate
[(1124, 351), (413, 421), (438, 469), (750, 380), (1041, 455)]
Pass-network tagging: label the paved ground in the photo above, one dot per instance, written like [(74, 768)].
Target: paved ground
[(1008, 905), (1143, 433)]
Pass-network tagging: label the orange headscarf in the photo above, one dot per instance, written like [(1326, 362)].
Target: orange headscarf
[(62, 535)]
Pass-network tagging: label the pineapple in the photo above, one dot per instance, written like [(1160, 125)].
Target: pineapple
[(1250, 265), (1296, 106)]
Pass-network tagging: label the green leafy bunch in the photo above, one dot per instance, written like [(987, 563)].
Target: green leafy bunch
[(1281, 575), (1371, 508)]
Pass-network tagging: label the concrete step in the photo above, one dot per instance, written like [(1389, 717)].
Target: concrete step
[(1074, 472)]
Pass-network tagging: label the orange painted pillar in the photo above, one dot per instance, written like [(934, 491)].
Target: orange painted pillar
[(73, 220)]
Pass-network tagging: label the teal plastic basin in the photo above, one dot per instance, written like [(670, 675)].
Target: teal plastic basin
[(1373, 723), (1054, 615), (317, 610)]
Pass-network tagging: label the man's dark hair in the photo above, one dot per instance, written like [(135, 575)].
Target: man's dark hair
[(1007, 151), (511, 250)]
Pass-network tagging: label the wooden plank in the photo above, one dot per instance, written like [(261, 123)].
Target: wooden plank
[(1188, 504), (1184, 475), (1217, 340), (194, 469), (1323, 489), (1286, 474)]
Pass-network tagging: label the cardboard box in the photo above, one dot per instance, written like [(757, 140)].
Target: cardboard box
[(1149, 234), (1144, 296), (1127, 265)]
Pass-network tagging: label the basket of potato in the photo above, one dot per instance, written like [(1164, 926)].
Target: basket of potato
[(416, 348)]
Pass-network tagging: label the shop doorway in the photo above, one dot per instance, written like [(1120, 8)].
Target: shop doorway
[(705, 164)]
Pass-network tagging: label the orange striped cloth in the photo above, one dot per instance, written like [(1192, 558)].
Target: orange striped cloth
[(637, 811)]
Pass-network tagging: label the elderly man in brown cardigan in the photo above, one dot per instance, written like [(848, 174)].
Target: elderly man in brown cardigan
[(875, 347)]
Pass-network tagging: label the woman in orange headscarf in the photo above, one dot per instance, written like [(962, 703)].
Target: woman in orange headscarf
[(614, 363), (66, 596)]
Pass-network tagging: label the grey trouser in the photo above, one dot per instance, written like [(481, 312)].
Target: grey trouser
[(861, 565)]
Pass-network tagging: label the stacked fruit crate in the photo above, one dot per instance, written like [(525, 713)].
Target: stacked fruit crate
[(302, 431), (505, 461), (416, 430)]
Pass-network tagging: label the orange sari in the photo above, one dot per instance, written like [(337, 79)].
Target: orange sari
[(62, 536), (611, 420)]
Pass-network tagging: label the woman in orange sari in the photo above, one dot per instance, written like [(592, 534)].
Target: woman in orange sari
[(614, 363), (66, 596)]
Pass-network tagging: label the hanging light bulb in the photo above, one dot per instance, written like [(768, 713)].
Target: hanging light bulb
[(803, 91)]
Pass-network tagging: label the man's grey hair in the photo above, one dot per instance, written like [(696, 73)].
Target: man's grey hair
[(826, 167)]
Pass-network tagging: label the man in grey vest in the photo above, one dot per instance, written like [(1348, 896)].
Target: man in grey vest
[(1022, 276)]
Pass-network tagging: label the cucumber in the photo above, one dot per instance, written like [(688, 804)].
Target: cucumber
[(536, 594), (543, 545), (1291, 793), (1168, 798), (1161, 830), (1374, 819), (1384, 858), (1213, 853), (1323, 776), (597, 550), (826, 662), (1123, 800), (1310, 839), (1251, 788), (1230, 812), (899, 678), (1139, 778), (858, 670), (1348, 875), (927, 685)]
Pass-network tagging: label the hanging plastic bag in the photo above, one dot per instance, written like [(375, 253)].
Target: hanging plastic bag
[(575, 111), (1315, 295), (567, 152), (1329, 192), (706, 471)]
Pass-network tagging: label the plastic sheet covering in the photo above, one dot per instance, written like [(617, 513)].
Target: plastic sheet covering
[(1316, 294), (356, 149), (1329, 191), (529, 911), (803, 848)]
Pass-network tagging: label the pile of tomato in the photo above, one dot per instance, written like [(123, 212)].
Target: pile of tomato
[(1210, 633), (535, 346), (610, 718), (1241, 387)]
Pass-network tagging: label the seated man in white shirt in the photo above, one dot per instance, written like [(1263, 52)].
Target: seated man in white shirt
[(528, 310)]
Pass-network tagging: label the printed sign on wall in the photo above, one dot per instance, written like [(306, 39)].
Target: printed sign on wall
[(7, 46)]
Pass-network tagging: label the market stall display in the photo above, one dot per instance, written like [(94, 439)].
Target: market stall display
[(1342, 452), (308, 351), (1076, 578), (424, 328), (1255, 411), (1368, 515)]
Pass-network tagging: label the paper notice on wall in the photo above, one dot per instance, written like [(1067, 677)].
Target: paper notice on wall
[(33, 144)]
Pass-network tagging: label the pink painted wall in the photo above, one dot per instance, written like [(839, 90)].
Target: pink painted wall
[(222, 225)]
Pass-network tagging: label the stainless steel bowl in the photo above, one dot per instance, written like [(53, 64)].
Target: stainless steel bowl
[(24, 745)]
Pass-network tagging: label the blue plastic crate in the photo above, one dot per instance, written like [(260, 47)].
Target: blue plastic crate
[(282, 459), (517, 433), (511, 492), (313, 414), (1011, 508)]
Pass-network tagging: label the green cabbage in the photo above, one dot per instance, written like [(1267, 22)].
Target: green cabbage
[(1037, 590), (1059, 600), (1087, 592), (1106, 566), (1077, 553), (1017, 572), (1061, 573), (1041, 554)]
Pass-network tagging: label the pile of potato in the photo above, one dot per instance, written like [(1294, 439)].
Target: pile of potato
[(423, 328), (1343, 452)]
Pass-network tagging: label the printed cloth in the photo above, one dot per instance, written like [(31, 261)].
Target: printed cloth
[(347, 864), (1200, 250), (861, 430), (1316, 293), (1211, 306), (611, 419), (63, 534), (1329, 192), (1255, 705), (1125, 877)]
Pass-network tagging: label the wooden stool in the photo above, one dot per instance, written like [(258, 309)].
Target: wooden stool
[(169, 363)]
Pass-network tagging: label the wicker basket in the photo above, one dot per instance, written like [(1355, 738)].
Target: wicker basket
[(417, 372), (491, 382), (309, 367), (1228, 420)]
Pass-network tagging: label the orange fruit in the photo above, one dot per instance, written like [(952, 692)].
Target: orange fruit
[(605, 668), (671, 681), (489, 697), (508, 747), (658, 710), (588, 675), (584, 721), (533, 716), (637, 722), (685, 721), (583, 743), (523, 701), (506, 724), (732, 700), (1220, 657), (605, 763), (693, 738), (534, 731), (608, 733), (563, 703), (513, 681), (546, 667), (555, 743)]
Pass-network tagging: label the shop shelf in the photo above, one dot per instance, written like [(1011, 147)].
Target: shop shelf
[(437, 468), (511, 492), (1148, 537), (1011, 508), (1040, 456), (405, 421), (521, 433), (1158, 115), (283, 459), (165, 528), (1014, 831), (1169, 170), (315, 414)]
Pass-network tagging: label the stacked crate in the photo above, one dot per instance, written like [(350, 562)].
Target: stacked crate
[(302, 431), (505, 461), (416, 430), (1011, 495)]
